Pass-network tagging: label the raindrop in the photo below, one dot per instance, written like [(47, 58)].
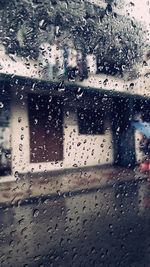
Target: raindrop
[(67, 113), (79, 93), (22, 137), (35, 121), (93, 250), (1, 105), (35, 213), (79, 143), (16, 174), (36, 258), (20, 147), (131, 85), (49, 230), (21, 221), (19, 119), (105, 82), (84, 221), (21, 96), (61, 87), (41, 23), (117, 195)]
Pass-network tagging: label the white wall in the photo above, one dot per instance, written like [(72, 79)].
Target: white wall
[(79, 150), (85, 150), (19, 132)]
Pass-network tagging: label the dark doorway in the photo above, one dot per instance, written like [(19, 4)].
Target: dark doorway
[(46, 128), (123, 133)]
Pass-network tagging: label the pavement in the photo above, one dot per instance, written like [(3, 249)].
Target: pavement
[(29, 186), (80, 218), (99, 228)]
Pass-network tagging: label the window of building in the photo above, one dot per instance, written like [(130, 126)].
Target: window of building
[(91, 121)]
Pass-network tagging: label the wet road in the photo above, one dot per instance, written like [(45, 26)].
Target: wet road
[(105, 227)]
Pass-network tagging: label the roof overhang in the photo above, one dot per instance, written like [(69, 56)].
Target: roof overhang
[(28, 70)]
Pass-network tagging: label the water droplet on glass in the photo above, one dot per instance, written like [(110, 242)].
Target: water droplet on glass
[(35, 213), (1, 105)]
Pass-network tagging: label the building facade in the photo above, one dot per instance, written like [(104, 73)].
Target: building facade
[(64, 108)]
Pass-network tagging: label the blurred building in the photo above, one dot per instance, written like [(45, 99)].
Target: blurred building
[(70, 86)]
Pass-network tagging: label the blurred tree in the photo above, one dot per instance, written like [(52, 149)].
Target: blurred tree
[(117, 41)]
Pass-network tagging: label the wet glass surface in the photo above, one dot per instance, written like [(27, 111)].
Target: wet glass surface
[(74, 133)]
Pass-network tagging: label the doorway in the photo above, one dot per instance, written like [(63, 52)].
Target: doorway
[(46, 128), (123, 133)]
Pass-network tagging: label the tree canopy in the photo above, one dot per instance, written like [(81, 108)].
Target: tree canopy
[(115, 39)]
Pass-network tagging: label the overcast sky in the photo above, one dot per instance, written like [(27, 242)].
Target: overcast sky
[(139, 9)]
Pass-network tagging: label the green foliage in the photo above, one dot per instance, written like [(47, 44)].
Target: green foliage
[(115, 39)]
